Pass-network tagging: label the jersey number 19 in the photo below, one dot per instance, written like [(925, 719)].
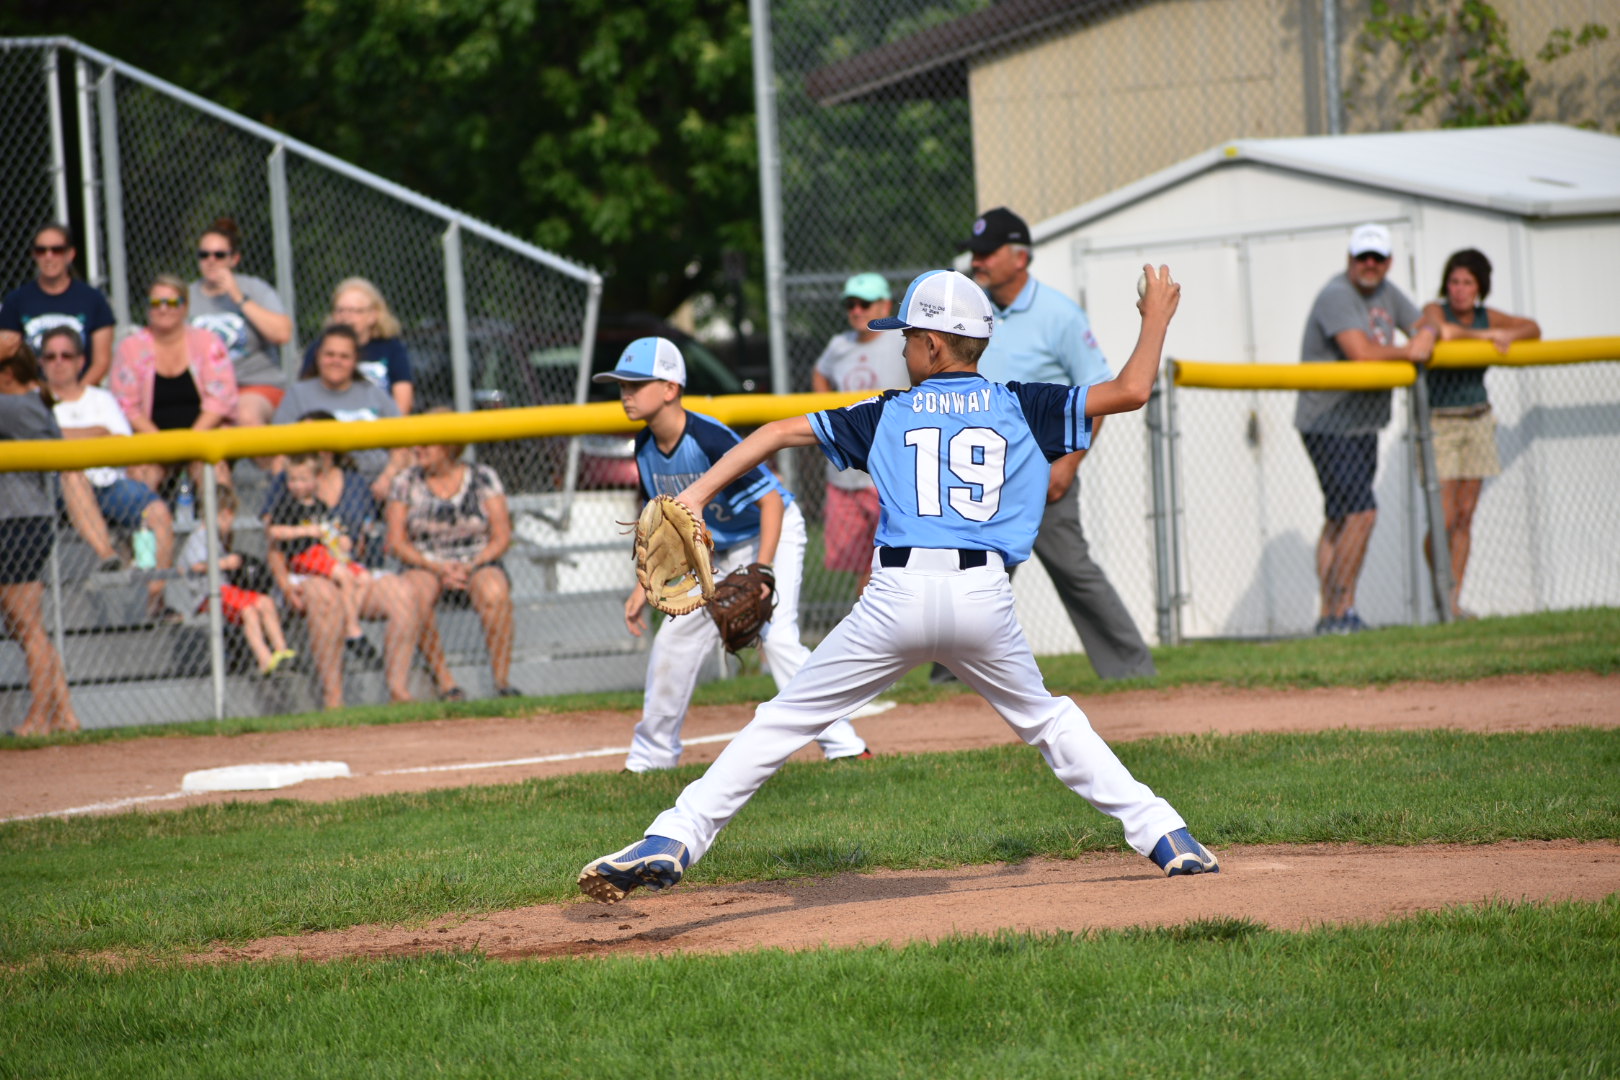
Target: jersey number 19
[(976, 455)]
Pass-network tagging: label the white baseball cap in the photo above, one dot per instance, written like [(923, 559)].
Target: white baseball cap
[(942, 300), (1370, 238), (646, 359)]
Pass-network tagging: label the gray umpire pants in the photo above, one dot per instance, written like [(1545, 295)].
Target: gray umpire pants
[(1112, 643)]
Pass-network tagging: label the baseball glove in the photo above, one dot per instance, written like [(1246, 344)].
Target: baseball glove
[(672, 555), (741, 606)]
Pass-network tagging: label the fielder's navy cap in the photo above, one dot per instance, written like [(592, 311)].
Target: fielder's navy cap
[(942, 300), (995, 228), (646, 359)]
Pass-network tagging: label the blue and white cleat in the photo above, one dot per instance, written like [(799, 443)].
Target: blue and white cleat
[(654, 861), (1178, 853)]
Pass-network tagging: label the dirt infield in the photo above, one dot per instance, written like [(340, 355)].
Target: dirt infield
[(1284, 887)]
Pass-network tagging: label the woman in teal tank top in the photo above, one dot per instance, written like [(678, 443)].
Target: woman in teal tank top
[(1460, 412)]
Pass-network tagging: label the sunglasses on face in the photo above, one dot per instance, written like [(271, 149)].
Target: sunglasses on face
[(165, 301), (48, 357), (205, 254), (853, 302), (50, 249), (1371, 256)]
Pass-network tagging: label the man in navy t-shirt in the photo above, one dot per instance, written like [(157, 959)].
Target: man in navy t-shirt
[(56, 298)]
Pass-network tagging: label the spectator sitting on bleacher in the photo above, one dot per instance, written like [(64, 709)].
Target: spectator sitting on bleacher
[(241, 605), (359, 305), (346, 499), (27, 531), (312, 539), (248, 318), (170, 376), (448, 523), (339, 388), (56, 298), (89, 412)]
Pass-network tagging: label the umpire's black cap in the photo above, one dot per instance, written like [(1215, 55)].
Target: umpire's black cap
[(994, 228)]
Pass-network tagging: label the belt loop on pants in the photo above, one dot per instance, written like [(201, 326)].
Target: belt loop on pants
[(936, 558)]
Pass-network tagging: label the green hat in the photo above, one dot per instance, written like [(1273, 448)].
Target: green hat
[(867, 287)]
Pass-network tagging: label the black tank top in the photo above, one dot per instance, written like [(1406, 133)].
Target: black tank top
[(175, 401)]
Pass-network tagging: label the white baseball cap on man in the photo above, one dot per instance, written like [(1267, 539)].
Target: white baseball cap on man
[(942, 300), (646, 359), (1370, 239)]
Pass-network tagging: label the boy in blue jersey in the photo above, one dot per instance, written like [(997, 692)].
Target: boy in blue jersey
[(961, 468), (753, 519)]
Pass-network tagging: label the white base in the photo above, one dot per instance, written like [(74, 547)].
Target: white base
[(872, 708), (261, 777)]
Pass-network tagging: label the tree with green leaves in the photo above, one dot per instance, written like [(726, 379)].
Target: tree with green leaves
[(619, 135), (1458, 63)]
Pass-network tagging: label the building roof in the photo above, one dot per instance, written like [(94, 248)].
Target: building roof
[(933, 63), (1531, 170)]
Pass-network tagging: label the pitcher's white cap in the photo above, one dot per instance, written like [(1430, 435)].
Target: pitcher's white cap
[(942, 300), (646, 359)]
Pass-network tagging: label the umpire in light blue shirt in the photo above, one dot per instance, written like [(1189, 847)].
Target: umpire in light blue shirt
[(1043, 336)]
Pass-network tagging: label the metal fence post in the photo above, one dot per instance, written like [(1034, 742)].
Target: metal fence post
[(582, 390), (112, 191), (1418, 395), (53, 94), (1172, 441), (1330, 66), (1162, 588), (455, 291), (281, 240), (216, 613), (87, 176), (770, 202)]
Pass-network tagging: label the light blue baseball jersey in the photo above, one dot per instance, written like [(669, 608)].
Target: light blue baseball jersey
[(959, 461), (1043, 336), (732, 517)]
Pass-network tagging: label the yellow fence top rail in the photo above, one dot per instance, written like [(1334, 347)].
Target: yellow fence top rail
[(738, 410), (1386, 374)]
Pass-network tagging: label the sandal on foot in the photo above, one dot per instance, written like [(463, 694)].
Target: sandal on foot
[(455, 693)]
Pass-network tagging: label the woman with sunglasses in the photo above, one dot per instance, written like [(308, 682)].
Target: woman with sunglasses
[(246, 315), (172, 376), (56, 298), (89, 412), (359, 305), (857, 359), (27, 532)]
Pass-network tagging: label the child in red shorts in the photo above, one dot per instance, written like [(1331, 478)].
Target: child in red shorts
[(253, 611), (303, 527)]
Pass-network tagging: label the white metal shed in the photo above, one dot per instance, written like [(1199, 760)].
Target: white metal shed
[(1253, 229)]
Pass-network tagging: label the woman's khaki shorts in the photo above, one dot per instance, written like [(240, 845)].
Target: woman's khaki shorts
[(1465, 446)]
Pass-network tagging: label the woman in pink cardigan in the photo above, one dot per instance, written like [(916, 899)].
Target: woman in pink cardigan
[(171, 375)]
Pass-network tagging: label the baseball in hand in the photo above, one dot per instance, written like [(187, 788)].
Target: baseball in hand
[(1141, 285)]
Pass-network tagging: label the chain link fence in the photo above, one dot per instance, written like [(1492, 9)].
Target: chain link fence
[(141, 169), (899, 121)]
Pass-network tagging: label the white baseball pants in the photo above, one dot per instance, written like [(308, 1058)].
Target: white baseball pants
[(928, 610), (683, 643)]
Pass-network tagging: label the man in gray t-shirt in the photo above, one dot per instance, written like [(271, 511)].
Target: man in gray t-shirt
[(1355, 317)]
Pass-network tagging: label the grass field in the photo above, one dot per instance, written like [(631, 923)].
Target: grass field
[(1496, 991)]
